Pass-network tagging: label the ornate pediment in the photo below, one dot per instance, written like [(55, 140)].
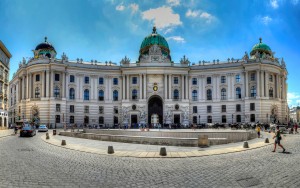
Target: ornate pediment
[(155, 50)]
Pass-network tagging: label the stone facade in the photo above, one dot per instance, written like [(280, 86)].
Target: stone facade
[(4, 73), (51, 90)]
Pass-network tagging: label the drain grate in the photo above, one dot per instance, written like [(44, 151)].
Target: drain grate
[(25, 149), (249, 182)]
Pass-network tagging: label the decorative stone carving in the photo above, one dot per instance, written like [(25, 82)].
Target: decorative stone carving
[(155, 50), (125, 60), (246, 57), (283, 63), (184, 60)]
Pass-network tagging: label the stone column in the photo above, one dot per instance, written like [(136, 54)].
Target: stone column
[(30, 86), (262, 83), (78, 88), (187, 87), (123, 87), (257, 83), (141, 87), (27, 86), (67, 84), (51, 83), (203, 87), (267, 84), (63, 88), (170, 90), (19, 89), (23, 87), (199, 88), (277, 86), (127, 87), (182, 87), (47, 83), (166, 86), (145, 86), (246, 84), (215, 89)]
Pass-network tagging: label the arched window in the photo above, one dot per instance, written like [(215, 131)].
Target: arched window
[(101, 95), (115, 95), (208, 94), (176, 94), (134, 94), (72, 93), (37, 92), (86, 94), (238, 93), (194, 95), (253, 91), (56, 92), (223, 94), (271, 92)]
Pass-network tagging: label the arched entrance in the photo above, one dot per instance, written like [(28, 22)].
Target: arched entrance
[(155, 106)]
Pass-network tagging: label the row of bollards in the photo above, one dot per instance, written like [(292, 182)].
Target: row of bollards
[(246, 145)]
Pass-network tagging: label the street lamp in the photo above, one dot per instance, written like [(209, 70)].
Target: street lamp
[(199, 119), (232, 118)]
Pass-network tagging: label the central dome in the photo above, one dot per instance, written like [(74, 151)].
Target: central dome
[(44, 46), (154, 39), (261, 48)]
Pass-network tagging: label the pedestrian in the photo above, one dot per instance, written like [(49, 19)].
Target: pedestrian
[(258, 131), (278, 138), (296, 128)]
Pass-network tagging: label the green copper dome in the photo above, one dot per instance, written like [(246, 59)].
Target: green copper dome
[(261, 47), (153, 39)]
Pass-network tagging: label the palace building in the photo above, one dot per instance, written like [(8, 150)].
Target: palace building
[(4, 73), (53, 91)]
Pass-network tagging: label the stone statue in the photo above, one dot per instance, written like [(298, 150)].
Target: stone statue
[(24, 60), (142, 115), (125, 60), (257, 55), (246, 57), (125, 112), (184, 60), (283, 63)]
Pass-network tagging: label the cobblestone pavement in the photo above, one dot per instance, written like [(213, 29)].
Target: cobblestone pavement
[(30, 162)]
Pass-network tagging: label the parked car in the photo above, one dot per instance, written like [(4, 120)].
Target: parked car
[(43, 128), (27, 131)]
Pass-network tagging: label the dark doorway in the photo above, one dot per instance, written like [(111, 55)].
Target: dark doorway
[(155, 106), (133, 120), (177, 119)]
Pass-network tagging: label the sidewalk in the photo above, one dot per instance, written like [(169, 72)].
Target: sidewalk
[(6, 132), (151, 151)]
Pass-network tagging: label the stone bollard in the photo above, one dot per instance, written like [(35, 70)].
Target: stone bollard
[(203, 141), (267, 140), (110, 150), (63, 142), (47, 136), (246, 145), (163, 151)]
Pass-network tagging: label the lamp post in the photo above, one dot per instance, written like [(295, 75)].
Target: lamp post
[(232, 119), (267, 118), (199, 119)]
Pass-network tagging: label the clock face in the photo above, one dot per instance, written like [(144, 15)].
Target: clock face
[(155, 88)]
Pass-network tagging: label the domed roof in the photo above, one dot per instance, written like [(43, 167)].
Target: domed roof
[(261, 47), (45, 46), (153, 39)]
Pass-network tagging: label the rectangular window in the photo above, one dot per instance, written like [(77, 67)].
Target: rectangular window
[(194, 119), (209, 109), (195, 111), (194, 81), (101, 80), (56, 77), (134, 80), (175, 80), (223, 79), (116, 111), (57, 119), (115, 81), (237, 78), (57, 107), (252, 117), (101, 109), (86, 80), (224, 120), (238, 118), (208, 80), (270, 78), (238, 107), (252, 76), (252, 106), (37, 78), (223, 108), (72, 119), (101, 120), (72, 109), (86, 109), (72, 78)]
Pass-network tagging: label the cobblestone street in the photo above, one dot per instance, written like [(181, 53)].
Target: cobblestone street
[(30, 162)]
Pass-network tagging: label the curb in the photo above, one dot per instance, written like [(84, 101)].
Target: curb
[(139, 154)]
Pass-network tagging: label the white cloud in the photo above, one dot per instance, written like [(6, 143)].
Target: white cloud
[(295, 2), (120, 7), (162, 17), (134, 7), (173, 2), (169, 30), (274, 4), (293, 99), (265, 20), (191, 13), (178, 39), (200, 14)]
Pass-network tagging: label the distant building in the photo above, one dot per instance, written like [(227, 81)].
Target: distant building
[(54, 91), (4, 74)]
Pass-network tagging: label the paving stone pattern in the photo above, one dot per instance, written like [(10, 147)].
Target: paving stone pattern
[(30, 162)]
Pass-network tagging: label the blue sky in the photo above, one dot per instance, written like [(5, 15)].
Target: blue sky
[(108, 30)]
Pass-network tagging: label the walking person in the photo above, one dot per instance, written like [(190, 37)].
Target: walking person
[(258, 131), (278, 139), (296, 128)]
